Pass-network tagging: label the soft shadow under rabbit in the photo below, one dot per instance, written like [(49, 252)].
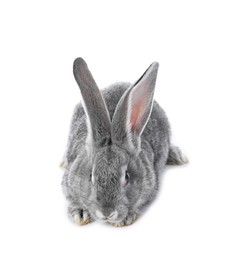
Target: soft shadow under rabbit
[(119, 143)]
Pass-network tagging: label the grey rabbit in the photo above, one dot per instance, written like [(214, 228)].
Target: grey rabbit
[(119, 142)]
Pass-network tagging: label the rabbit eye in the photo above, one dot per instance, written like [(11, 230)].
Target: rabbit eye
[(91, 178), (126, 178)]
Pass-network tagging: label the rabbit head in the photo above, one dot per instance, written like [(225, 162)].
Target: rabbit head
[(110, 172)]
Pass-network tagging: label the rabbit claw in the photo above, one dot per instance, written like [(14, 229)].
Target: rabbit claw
[(81, 217), (130, 219)]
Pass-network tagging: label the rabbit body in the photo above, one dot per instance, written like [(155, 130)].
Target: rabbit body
[(112, 175)]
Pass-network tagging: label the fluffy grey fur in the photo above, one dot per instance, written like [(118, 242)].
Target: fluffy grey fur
[(119, 143)]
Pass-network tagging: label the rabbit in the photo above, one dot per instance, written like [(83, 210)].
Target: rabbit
[(118, 145)]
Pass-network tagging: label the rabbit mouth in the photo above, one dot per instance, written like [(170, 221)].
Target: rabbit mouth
[(112, 217)]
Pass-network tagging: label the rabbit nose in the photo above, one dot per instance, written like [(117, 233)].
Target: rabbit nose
[(109, 212)]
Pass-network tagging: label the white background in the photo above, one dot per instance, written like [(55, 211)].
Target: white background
[(194, 41)]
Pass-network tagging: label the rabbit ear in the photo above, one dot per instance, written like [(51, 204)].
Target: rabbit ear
[(98, 119), (134, 109)]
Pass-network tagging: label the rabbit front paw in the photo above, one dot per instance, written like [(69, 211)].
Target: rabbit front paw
[(80, 217), (130, 219)]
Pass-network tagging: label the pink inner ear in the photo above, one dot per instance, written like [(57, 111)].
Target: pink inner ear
[(138, 106)]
